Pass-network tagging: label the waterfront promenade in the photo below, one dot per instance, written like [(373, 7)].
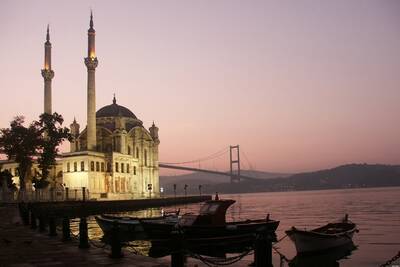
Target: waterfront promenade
[(21, 246)]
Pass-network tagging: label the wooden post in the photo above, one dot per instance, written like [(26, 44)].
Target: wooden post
[(33, 220), (177, 257), (263, 249), (83, 193), (52, 227), (116, 246), (66, 230), (83, 233), (42, 223)]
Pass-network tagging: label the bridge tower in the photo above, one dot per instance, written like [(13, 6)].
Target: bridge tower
[(235, 172)]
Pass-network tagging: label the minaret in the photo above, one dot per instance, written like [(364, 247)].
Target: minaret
[(47, 73), (91, 64)]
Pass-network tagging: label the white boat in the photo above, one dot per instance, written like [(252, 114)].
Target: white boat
[(323, 238)]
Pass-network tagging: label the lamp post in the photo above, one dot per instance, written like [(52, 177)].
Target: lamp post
[(185, 188), (200, 186), (175, 190), (149, 188)]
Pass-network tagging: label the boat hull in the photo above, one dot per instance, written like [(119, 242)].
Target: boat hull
[(309, 242)]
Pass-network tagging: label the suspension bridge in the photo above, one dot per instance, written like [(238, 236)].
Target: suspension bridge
[(234, 163)]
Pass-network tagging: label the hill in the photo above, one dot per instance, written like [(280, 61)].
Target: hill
[(345, 176)]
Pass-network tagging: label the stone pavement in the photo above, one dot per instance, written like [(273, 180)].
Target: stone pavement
[(21, 246)]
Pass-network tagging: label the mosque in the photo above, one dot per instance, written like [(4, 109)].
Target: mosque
[(115, 156)]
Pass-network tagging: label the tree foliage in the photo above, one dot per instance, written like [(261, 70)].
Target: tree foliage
[(52, 134), (20, 144), (6, 180), (39, 140)]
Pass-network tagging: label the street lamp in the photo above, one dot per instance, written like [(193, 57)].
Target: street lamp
[(200, 186), (175, 190)]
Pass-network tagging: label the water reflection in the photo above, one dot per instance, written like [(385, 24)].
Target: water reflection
[(327, 259)]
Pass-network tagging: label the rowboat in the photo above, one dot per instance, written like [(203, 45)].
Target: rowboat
[(329, 236)]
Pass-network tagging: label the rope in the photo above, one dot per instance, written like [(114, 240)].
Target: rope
[(212, 156), (220, 262), (389, 262), (248, 161), (281, 239)]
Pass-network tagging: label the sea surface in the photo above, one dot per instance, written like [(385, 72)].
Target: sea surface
[(376, 211)]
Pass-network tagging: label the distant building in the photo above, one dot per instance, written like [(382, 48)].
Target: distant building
[(115, 156)]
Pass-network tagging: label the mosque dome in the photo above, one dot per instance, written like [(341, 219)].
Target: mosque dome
[(115, 110)]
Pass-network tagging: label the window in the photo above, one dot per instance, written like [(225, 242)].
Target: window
[(108, 166), (127, 168), (137, 152), (82, 166), (145, 157), (129, 150), (102, 167), (122, 167), (116, 167), (75, 167), (134, 170), (97, 166), (92, 166), (68, 167)]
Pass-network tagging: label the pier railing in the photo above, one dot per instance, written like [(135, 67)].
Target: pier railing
[(45, 195)]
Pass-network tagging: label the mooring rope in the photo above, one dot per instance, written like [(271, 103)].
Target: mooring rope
[(389, 262)]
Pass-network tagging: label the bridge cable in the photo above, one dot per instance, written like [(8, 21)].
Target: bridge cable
[(212, 156)]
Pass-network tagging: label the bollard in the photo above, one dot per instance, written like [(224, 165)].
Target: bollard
[(116, 246), (66, 230), (24, 213), (42, 224), (83, 233), (263, 249), (52, 227), (66, 193), (33, 220), (83, 193), (177, 256)]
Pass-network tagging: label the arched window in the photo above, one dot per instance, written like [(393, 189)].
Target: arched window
[(108, 166), (145, 157), (68, 167), (82, 166), (122, 168), (129, 150), (134, 170), (127, 168), (97, 166), (92, 166), (75, 167), (116, 167), (137, 152), (102, 167)]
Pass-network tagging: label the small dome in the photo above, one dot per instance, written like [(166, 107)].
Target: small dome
[(115, 110)]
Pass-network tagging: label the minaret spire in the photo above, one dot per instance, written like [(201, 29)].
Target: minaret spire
[(47, 73), (91, 64)]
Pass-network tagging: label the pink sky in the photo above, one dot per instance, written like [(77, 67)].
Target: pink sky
[(300, 85)]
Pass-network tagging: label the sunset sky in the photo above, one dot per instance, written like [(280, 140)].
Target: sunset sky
[(300, 85)]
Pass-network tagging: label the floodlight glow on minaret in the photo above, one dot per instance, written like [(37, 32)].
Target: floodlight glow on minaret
[(91, 64), (47, 74)]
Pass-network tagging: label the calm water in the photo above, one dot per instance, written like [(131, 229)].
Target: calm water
[(376, 211)]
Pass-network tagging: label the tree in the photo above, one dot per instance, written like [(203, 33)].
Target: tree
[(20, 143), (52, 134), (6, 180)]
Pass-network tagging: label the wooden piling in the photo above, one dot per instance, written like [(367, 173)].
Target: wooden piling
[(66, 230), (83, 233), (42, 223), (177, 256), (116, 246), (33, 220), (52, 227), (263, 249)]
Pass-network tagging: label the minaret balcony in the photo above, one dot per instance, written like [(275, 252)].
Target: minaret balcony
[(47, 74), (91, 63)]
